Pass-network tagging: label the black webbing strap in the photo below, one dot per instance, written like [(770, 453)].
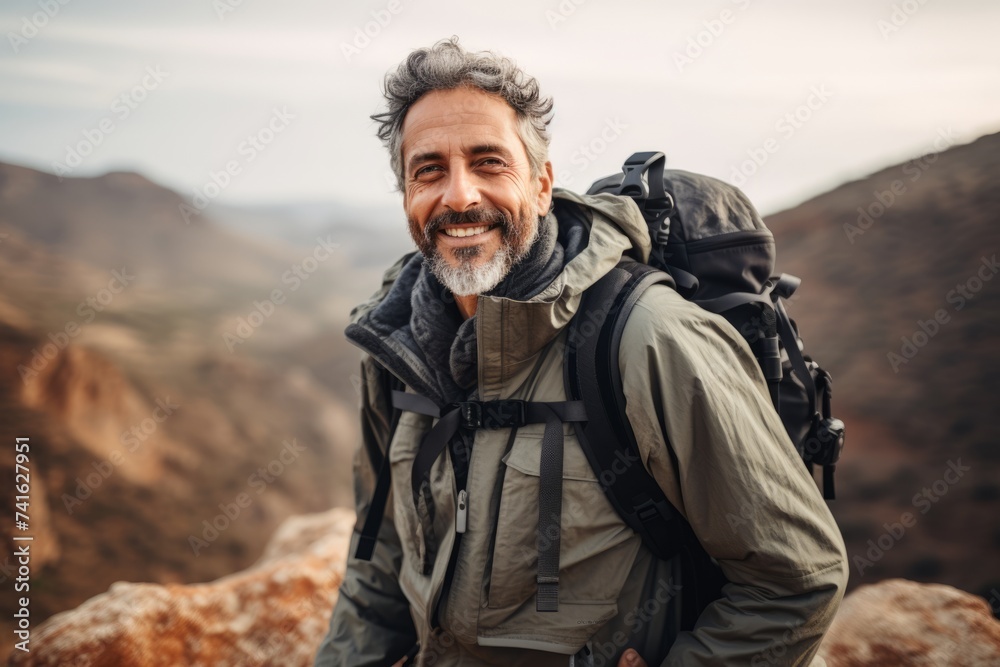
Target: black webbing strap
[(593, 375), (791, 343), (376, 510), (506, 414), (721, 304), (476, 415), (829, 491), (550, 471), (765, 334)]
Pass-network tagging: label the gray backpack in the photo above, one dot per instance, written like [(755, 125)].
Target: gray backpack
[(709, 244)]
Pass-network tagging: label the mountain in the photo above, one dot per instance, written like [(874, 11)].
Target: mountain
[(156, 369), (354, 228), (900, 301)]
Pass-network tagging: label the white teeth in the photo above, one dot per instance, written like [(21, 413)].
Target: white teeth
[(459, 232)]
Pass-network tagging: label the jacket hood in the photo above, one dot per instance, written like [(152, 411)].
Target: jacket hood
[(511, 333)]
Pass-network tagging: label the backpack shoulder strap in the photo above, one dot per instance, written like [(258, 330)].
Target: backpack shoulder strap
[(592, 374), (379, 460)]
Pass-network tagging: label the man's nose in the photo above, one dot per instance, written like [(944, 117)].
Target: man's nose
[(461, 192)]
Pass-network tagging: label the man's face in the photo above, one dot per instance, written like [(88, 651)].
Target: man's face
[(470, 199)]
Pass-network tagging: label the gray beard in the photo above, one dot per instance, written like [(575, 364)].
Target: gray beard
[(467, 279)]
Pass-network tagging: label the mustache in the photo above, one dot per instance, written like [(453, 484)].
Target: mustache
[(475, 216)]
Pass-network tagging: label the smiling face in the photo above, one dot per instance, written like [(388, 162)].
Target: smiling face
[(470, 197)]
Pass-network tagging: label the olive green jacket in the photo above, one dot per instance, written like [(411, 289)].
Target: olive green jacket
[(730, 469)]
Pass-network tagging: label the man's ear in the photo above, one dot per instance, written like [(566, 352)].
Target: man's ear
[(545, 180)]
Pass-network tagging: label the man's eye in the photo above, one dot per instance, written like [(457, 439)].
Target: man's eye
[(423, 171)]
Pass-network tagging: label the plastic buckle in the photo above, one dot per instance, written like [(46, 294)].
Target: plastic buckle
[(785, 285), (491, 414), (470, 413), (646, 510), (825, 442), (635, 168), (650, 195), (657, 209), (504, 414)]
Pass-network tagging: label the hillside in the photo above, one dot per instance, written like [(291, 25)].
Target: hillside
[(126, 358), (898, 301)]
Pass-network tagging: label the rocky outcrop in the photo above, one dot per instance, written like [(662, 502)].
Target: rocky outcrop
[(274, 613), (135, 479), (900, 622), (277, 612)]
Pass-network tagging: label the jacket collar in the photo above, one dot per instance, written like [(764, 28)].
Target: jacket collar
[(510, 333)]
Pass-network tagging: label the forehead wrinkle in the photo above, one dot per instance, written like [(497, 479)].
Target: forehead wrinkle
[(455, 112)]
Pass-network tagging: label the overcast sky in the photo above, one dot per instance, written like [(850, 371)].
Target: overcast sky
[(817, 93)]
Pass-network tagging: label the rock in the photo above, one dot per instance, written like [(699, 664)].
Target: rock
[(277, 612), (900, 622), (274, 613)]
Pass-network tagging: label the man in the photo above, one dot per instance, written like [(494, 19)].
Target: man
[(480, 313)]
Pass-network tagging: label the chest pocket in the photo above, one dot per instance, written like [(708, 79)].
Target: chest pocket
[(597, 548)]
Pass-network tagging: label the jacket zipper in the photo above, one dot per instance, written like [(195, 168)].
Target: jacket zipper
[(462, 514), (461, 478), (730, 240)]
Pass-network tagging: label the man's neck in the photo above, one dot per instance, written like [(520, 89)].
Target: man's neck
[(467, 304)]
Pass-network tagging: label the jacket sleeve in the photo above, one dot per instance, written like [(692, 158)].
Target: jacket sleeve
[(732, 471), (371, 622)]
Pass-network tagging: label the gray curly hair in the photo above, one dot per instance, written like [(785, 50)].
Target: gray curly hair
[(447, 65)]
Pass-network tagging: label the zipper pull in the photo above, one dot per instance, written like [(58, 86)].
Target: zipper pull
[(462, 516)]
